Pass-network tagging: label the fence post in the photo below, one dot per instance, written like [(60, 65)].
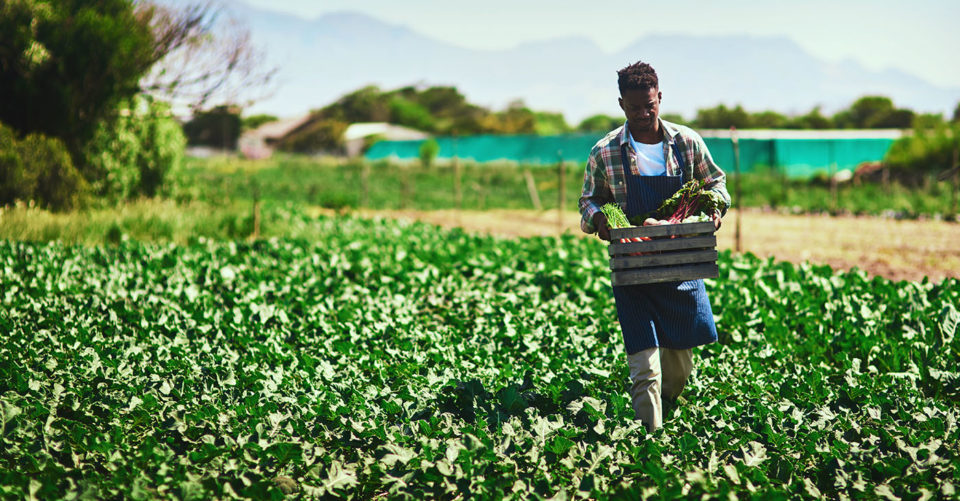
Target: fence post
[(956, 183), (457, 180), (256, 210), (532, 188), (834, 191), (834, 196), (561, 189), (404, 186), (364, 184), (782, 171), (736, 170)]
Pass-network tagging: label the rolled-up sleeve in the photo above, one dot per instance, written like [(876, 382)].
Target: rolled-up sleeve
[(596, 191), (708, 171)]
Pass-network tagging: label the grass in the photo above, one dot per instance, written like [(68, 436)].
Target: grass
[(149, 220), (896, 249), (214, 198), (338, 185)]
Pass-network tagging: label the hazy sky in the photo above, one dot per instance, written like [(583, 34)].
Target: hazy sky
[(921, 37)]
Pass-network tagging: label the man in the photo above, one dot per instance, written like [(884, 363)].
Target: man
[(638, 166)]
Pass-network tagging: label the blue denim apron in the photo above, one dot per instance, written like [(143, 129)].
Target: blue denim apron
[(673, 315)]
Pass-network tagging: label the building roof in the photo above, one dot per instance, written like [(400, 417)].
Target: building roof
[(388, 131), (279, 128)]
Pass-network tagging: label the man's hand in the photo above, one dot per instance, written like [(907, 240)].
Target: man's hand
[(716, 219), (600, 223)]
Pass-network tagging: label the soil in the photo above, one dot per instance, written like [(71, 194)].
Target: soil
[(894, 249)]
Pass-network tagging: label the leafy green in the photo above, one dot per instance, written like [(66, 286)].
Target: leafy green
[(692, 199), (398, 360), (615, 216)]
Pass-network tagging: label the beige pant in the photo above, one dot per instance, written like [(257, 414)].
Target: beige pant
[(657, 374)]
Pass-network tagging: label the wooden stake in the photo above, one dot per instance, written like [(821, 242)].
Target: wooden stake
[(404, 186), (457, 184), (956, 182), (365, 184), (532, 188), (561, 190), (834, 195), (256, 211), (736, 169)]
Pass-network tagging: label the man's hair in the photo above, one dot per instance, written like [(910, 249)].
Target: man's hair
[(637, 76)]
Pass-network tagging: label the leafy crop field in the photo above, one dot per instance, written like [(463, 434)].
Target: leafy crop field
[(398, 360)]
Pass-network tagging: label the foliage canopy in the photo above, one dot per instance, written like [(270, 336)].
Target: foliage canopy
[(65, 65)]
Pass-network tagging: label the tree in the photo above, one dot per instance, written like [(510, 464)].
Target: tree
[(874, 112), (255, 121), (65, 65), (927, 120), (470, 120), (319, 135), (362, 105), (721, 117), (201, 56), (442, 102), (673, 117), (768, 120), (599, 123), (403, 111), (926, 151), (814, 119), (133, 154), (549, 124), (516, 119), (218, 127)]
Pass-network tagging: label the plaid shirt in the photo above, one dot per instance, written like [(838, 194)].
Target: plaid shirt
[(604, 180)]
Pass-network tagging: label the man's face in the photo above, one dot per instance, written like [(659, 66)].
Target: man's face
[(641, 107)]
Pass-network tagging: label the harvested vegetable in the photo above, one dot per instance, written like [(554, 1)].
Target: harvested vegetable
[(615, 216), (691, 200), (617, 219)]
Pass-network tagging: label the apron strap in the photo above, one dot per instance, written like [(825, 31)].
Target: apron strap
[(683, 165), (625, 161)]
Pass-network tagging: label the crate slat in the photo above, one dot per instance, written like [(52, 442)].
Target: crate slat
[(664, 230), (667, 244), (665, 274), (686, 257)]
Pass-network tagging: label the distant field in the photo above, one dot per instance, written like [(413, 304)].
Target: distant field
[(894, 249), (504, 186)]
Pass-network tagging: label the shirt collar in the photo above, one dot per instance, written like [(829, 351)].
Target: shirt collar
[(670, 131)]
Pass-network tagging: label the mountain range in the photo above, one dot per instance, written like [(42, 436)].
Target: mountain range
[(321, 59)]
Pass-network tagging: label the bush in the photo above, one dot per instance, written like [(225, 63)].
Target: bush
[(428, 151), (16, 182), (217, 128), (319, 135), (134, 152), (923, 153), (38, 168)]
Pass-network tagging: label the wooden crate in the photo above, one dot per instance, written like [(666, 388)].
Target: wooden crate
[(675, 252)]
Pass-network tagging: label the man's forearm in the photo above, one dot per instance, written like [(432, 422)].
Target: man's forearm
[(588, 208)]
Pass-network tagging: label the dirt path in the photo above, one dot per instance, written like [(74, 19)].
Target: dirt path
[(899, 250)]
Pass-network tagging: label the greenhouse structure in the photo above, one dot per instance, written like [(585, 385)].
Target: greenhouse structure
[(797, 153)]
